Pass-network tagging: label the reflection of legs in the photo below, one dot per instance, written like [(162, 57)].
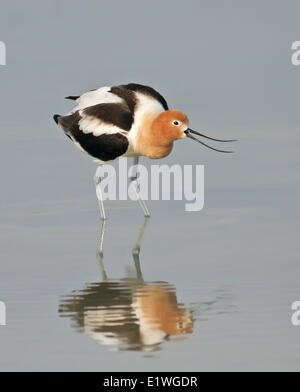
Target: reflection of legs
[(137, 248), (137, 187), (100, 251), (97, 181)]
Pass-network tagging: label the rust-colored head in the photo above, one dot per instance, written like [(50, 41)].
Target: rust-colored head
[(159, 310), (170, 126)]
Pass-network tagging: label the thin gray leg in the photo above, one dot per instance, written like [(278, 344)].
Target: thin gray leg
[(97, 181), (137, 187), (137, 248), (100, 251)]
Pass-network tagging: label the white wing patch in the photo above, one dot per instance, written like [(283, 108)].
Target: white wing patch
[(91, 98), (90, 124)]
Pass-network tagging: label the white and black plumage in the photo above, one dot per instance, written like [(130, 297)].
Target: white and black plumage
[(105, 121), (129, 120)]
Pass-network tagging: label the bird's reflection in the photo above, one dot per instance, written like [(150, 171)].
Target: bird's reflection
[(130, 313)]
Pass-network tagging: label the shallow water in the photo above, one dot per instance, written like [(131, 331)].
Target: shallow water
[(209, 290)]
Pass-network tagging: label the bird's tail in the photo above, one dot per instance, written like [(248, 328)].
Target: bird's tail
[(56, 117)]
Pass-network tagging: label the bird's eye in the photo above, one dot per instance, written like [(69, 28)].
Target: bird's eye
[(175, 122)]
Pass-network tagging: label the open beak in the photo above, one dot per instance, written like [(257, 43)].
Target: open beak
[(189, 132)]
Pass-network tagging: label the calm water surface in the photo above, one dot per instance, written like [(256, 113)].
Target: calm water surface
[(209, 290)]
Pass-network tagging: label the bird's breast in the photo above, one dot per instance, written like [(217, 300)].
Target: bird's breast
[(158, 152), (150, 144)]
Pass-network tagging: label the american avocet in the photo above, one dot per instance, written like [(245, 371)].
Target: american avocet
[(129, 120), (128, 313)]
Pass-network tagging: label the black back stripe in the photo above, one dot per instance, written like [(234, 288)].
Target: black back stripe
[(147, 90), (127, 95), (111, 113)]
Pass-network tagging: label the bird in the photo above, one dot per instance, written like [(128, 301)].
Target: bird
[(128, 313), (129, 120)]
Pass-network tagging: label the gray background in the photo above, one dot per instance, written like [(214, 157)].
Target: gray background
[(227, 64)]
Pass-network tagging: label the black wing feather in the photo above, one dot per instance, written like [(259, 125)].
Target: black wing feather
[(105, 147), (147, 90)]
